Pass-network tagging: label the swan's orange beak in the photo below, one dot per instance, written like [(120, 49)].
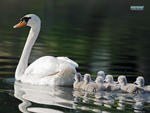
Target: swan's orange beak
[(20, 24)]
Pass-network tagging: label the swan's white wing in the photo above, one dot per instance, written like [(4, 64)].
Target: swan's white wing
[(66, 59), (50, 70), (44, 66)]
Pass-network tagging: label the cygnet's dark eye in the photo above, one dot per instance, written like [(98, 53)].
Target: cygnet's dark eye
[(25, 19)]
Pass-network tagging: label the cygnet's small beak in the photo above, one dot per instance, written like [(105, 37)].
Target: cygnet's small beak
[(117, 82), (135, 83), (20, 24)]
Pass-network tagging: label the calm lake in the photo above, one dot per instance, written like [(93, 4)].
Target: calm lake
[(97, 34)]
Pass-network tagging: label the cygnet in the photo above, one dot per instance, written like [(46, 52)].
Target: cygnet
[(110, 85), (86, 81), (130, 88), (140, 81), (96, 86), (101, 73), (78, 81), (109, 79)]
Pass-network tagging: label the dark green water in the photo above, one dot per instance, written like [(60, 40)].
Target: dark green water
[(97, 34)]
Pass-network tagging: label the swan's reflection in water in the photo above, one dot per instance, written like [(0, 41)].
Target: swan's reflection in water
[(46, 99), (45, 95)]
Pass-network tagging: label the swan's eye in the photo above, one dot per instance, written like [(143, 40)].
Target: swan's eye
[(25, 19)]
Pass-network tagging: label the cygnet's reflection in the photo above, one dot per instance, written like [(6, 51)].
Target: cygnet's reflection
[(45, 95)]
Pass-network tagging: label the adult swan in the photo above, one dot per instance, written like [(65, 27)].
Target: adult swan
[(47, 70)]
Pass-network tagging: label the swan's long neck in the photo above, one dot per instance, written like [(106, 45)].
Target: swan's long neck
[(23, 62)]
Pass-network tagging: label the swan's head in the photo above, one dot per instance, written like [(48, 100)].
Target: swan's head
[(140, 81), (28, 20), (109, 79), (99, 79), (101, 73), (122, 80)]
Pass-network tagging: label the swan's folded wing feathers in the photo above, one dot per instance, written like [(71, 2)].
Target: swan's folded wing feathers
[(43, 66), (66, 59)]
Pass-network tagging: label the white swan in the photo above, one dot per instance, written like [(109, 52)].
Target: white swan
[(47, 70)]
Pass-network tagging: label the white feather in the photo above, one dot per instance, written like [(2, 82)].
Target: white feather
[(47, 70)]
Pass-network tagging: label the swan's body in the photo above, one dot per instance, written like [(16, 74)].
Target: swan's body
[(47, 70)]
